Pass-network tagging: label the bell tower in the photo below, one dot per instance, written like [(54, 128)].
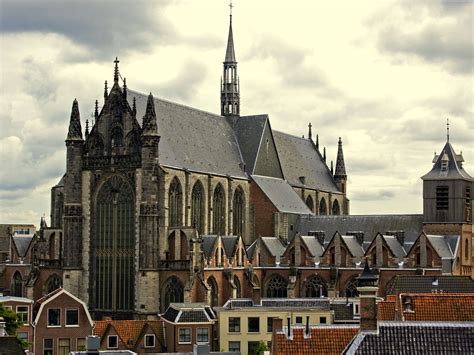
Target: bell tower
[(230, 87)]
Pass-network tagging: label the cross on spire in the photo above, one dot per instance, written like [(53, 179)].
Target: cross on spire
[(116, 70), (447, 129), (231, 6)]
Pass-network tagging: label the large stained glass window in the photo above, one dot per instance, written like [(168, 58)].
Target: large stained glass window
[(238, 212), (175, 200), (114, 246), (173, 292), (218, 211), (316, 287), (276, 287), (197, 207)]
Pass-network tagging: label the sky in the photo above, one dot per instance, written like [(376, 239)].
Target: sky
[(382, 75)]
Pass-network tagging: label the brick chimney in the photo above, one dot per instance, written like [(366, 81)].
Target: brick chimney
[(368, 294), (256, 296), (277, 326)]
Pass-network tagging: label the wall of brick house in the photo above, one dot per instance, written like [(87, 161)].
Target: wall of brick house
[(263, 211)]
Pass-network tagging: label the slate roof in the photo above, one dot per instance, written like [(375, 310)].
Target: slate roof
[(249, 131), (440, 245), (353, 245), (208, 242), (274, 245), (343, 312), (193, 139), (415, 338), (251, 250), (281, 194), (129, 331), (290, 303), (22, 243), (454, 171), (299, 157), (424, 284), (314, 247), (412, 225), (229, 242), (397, 249), (324, 340), (189, 313)]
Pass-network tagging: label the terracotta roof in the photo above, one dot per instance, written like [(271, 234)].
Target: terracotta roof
[(386, 310), (323, 340), (128, 331)]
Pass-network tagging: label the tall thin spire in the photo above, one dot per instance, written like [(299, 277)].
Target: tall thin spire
[(340, 165), (125, 88), (447, 129), (310, 134), (96, 110), (149, 119), (75, 130), (106, 90), (116, 70), (134, 106), (87, 129), (230, 52)]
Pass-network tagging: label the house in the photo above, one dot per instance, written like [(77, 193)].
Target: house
[(23, 307), (61, 323)]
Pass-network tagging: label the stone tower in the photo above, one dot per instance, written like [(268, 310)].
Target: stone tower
[(230, 87)]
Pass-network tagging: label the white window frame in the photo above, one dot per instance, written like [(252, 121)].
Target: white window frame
[(58, 325), (65, 318), (190, 335), (108, 341), (149, 336), (27, 313), (197, 336)]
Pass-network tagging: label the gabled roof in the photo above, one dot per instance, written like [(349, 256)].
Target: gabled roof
[(251, 250), (193, 139), (281, 194), (208, 243), (353, 246), (129, 331), (189, 313), (22, 243), (441, 246), (273, 245), (15, 299), (453, 169), (428, 284), (415, 338), (249, 131), (313, 245), (40, 304), (299, 157), (397, 249), (229, 242)]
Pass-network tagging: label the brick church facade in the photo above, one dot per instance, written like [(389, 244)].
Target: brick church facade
[(165, 203)]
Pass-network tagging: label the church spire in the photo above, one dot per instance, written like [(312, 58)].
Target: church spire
[(340, 166), (230, 88), (75, 130), (150, 127)]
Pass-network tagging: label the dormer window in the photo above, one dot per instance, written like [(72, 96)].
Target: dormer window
[(444, 163)]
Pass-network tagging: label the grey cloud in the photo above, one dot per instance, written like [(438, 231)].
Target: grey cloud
[(372, 195), (185, 85), (39, 79)]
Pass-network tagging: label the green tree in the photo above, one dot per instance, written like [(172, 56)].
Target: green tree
[(12, 322), (261, 347)]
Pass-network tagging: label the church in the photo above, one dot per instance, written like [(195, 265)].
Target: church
[(162, 202)]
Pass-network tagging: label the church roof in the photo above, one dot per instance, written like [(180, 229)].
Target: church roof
[(448, 166), (193, 139), (249, 130), (298, 157), (281, 194)]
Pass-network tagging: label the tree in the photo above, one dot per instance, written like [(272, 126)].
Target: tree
[(261, 347), (12, 322)]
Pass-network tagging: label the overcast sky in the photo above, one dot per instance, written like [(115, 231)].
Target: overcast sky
[(383, 75)]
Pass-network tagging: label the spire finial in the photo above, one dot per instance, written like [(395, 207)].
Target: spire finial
[(231, 6), (75, 130), (96, 111), (106, 90), (447, 129), (116, 70), (87, 128), (134, 106), (125, 88), (310, 134)]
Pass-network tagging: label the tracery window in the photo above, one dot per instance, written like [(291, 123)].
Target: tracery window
[(276, 287), (238, 212), (53, 283), (316, 287), (96, 145), (309, 203), (336, 210), (238, 289), (214, 291), (218, 209), (197, 207), (117, 137), (17, 285), (173, 292), (175, 201), (114, 246), (351, 288), (323, 210)]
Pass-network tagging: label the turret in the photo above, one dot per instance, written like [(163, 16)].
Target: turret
[(340, 174)]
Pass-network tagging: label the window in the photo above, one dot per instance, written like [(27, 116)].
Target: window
[(252, 347), (356, 309), (238, 211), (322, 320), (197, 207), (323, 210), (81, 344), (17, 285), (442, 195), (22, 312), (316, 287), (185, 335), (175, 203), (149, 341), (48, 347), (72, 317), (309, 203), (64, 346), (218, 211), (254, 324), (112, 342), (336, 210), (173, 292), (276, 287), (54, 317), (234, 346), (234, 325), (351, 288), (299, 320), (203, 335), (23, 336), (269, 324)]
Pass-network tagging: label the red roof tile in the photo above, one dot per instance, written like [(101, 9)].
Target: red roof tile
[(128, 330)]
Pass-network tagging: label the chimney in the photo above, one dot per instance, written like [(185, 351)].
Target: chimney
[(368, 295), (256, 296), (277, 325)]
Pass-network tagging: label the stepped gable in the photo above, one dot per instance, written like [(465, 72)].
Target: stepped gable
[(299, 157), (193, 139)]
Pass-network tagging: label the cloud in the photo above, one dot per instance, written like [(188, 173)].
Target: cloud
[(186, 83), (39, 79), (377, 195), (434, 32)]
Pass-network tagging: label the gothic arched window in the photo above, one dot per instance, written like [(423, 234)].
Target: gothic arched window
[(173, 292), (218, 211), (238, 289), (351, 288), (17, 285), (316, 287), (134, 145), (335, 208), (238, 211), (53, 283), (214, 291), (276, 287), (117, 137), (175, 201), (323, 210), (96, 145), (113, 245), (309, 203), (197, 207)]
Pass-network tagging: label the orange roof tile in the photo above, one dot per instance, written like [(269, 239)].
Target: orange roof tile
[(325, 340), (386, 310), (128, 330)]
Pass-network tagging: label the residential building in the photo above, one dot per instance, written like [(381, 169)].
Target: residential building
[(23, 307)]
